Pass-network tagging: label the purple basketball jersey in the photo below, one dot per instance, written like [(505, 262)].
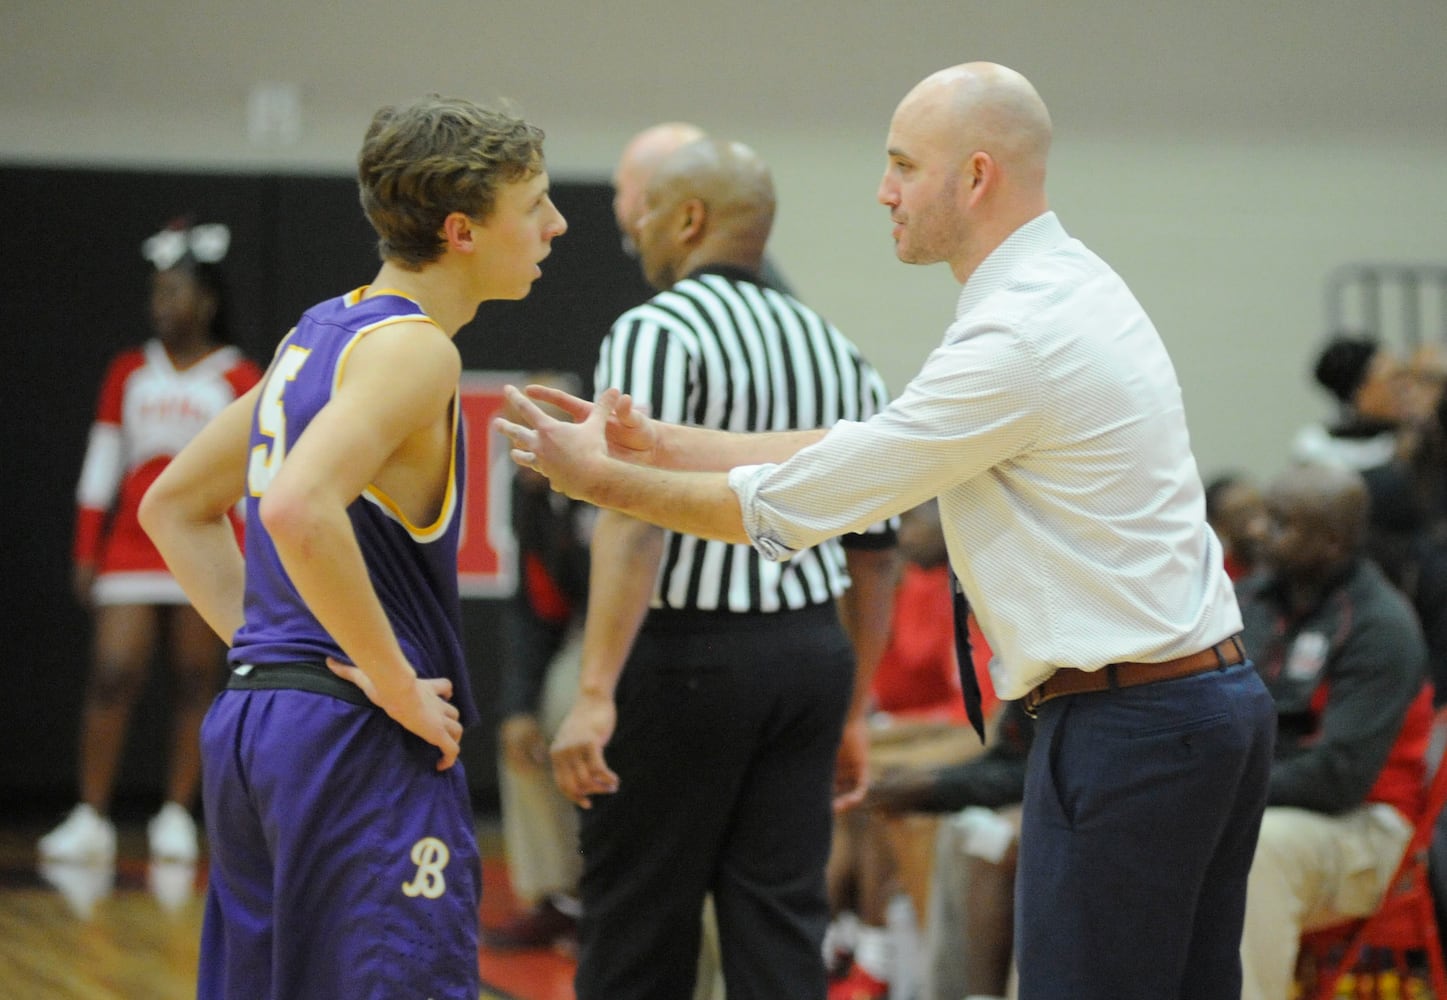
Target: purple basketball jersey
[(412, 567), (343, 863)]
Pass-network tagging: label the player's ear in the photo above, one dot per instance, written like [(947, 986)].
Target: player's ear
[(459, 231)]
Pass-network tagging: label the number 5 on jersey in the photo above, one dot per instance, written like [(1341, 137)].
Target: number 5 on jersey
[(266, 459)]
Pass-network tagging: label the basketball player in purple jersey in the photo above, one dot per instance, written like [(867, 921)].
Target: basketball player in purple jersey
[(343, 855)]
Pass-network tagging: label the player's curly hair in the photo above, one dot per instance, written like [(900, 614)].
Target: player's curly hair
[(423, 161)]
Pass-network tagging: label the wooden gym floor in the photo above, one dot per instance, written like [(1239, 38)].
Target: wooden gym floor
[(76, 933), (131, 933)]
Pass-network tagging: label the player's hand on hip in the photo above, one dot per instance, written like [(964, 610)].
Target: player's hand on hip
[(421, 707)]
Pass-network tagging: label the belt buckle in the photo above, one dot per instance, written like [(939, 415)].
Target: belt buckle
[(1032, 701)]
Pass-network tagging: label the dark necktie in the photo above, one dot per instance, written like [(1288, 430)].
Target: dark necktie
[(969, 683)]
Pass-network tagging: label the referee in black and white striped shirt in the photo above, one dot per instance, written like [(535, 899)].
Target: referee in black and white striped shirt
[(722, 733)]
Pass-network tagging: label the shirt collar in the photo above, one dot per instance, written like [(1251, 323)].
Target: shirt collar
[(732, 272), (1036, 236)]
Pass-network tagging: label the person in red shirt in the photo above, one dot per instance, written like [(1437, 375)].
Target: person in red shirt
[(153, 400), (918, 722), (918, 679)]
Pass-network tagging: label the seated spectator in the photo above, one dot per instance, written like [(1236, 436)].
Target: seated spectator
[(1386, 430), (1237, 513), (1342, 653), (1364, 379), (917, 720), (969, 926), (918, 679), (1422, 571), (540, 658), (1421, 458)]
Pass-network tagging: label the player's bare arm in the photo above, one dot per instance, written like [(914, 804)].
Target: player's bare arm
[(185, 513), (385, 424)]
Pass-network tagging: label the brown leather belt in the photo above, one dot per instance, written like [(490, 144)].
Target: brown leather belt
[(1068, 680)]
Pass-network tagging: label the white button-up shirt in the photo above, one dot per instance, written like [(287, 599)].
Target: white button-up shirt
[(1049, 423)]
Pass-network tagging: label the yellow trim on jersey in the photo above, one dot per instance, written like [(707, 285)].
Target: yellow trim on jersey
[(279, 348), (353, 298), (356, 295), (372, 493), (449, 500), (346, 352)]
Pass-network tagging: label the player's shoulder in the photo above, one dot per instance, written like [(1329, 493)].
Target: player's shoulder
[(414, 345)]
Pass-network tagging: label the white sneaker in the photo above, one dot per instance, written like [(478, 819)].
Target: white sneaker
[(85, 835), (82, 884), (172, 833), (172, 883)]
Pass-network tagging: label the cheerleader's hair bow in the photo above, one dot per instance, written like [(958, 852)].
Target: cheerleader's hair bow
[(206, 244)]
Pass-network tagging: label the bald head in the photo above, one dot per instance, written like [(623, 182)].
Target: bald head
[(1319, 517), (989, 107), (728, 177), (1335, 496), (640, 158), (967, 150), (709, 202)]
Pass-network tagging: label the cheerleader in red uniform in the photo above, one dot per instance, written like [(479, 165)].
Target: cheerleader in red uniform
[(154, 399)]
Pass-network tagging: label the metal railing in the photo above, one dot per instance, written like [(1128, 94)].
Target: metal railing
[(1397, 303)]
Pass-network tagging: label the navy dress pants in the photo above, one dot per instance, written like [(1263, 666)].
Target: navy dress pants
[(1142, 807)]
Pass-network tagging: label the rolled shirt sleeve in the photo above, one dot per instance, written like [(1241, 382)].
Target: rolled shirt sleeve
[(1050, 424)]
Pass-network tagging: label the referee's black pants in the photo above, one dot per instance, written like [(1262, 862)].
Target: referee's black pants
[(728, 729)]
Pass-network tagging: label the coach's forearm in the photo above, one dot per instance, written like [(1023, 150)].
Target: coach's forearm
[(689, 502), (700, 449)]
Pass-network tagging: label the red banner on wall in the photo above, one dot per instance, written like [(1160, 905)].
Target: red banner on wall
[(487, 555)]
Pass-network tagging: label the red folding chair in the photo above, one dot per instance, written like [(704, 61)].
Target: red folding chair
[(1406, 920)]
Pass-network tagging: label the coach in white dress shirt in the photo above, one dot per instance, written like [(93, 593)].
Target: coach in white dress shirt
[(1050, 424)]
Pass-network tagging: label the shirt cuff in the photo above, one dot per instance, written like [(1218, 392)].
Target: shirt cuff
[(745, 481)]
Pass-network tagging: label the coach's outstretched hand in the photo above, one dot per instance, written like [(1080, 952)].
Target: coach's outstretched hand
[(573, 455), (633, 436)]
